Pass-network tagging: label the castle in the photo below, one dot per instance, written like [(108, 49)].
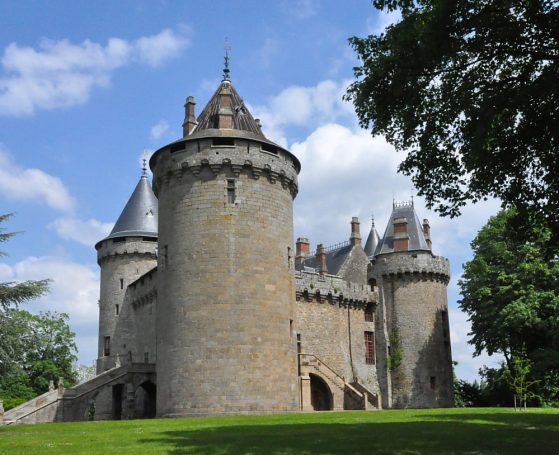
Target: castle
[(207, 309)]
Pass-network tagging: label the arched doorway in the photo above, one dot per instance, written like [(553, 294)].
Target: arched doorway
[(144, 401), (321, 397)]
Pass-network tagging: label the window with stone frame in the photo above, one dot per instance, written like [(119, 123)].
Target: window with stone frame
[(369, 313), (230, 191), (370, 348), (107, 346)]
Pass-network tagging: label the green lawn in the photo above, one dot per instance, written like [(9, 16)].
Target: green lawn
[(421, 431)]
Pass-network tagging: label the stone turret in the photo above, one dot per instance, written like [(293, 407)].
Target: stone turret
[(413, 285), (128, 252), (226, 288)]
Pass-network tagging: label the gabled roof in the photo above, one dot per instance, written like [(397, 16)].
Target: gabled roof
[(139, 217), (414, 227), (372, 243), (242, 118)]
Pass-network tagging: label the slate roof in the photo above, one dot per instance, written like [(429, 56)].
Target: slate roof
[(335, 258), (139, 217), (415, 230), (372, 243), (242, 118)]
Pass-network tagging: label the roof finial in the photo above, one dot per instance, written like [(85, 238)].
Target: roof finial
[(227, 48), (144, 164), (372, 219)]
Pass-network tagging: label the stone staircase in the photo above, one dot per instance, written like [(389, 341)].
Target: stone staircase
[(346, 395), (22, 412)]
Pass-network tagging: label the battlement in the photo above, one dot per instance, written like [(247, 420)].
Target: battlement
[(414, 263), (239, 155), (126, 246), (311, 286)]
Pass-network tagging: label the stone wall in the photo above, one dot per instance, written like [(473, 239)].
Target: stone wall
[(413, 287), (330, 319), (225, 280), (122, 261)]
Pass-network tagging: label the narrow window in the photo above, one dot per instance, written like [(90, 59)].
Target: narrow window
[(299, 345), (121, 283), (146, 357), (369, 313), (223, 141), (116, 309), (231, 191), (107, 346), (290, 328), (289, 258), (444, 322), (433, 382), (370, 348)]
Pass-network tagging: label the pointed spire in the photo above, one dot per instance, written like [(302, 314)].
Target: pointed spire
[(373, 240), (139, 217), (226, 72)]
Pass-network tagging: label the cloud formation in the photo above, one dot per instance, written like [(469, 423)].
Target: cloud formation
[(159, 130), (87, 232), (20, 184), (74, 290), (61, 74)]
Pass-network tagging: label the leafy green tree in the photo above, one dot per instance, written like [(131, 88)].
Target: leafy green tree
[(510, 290), (42, 349), (470, 90)]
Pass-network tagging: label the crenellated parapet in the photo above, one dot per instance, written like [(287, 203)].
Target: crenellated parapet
[(418, 264), (243, 155), (111, 249), (143, 291), (313, 287)]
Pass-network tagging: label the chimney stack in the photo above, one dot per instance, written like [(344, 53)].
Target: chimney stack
[(225, 113), (321, 259), (401, 236), (355, 237), (302, 248), (189, 116), (427, 233)]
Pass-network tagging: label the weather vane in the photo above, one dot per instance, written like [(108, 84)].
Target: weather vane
[(227, 48)]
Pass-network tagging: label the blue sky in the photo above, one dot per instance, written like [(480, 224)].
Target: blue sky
[(86, 86)]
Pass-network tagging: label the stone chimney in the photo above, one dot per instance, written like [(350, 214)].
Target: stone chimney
[(302, 248), (189, 116), (401, 236), (225, 113), (355, 237), (321, 259), (427, 233)]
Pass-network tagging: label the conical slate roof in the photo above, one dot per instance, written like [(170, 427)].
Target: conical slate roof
[(139, 217), (415, 230), (242, 118), (372, 243)]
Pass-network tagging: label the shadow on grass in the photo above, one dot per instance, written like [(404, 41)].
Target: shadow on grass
[(450, 434)]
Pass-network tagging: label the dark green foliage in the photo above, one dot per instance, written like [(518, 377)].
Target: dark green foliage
[(35, 349), (510, 290), (470, 90)]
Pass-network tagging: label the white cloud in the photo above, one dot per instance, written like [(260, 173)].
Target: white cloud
[(159, 130), (62, 74), (304, 106), (378, 23), (74, 290), (301, 9), (31, 184), (87, 232)]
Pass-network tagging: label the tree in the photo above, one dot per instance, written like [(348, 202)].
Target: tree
[(13, 294), (41, 349), (510, 290), (470, 90)]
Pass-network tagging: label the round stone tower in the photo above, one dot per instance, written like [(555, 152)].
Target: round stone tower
[(413, 285), (226, 287), (127, 253)]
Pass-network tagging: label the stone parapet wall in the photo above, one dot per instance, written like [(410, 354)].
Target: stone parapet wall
[(313, 286), (131, 246), (246, 156), (408, 262)]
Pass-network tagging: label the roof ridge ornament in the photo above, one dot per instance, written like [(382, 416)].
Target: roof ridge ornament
[(144, 164), (226, 72)]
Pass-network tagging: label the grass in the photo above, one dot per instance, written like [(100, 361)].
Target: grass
[(420, 431)]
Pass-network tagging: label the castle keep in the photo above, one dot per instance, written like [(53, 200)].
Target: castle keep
[(208, 308)]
